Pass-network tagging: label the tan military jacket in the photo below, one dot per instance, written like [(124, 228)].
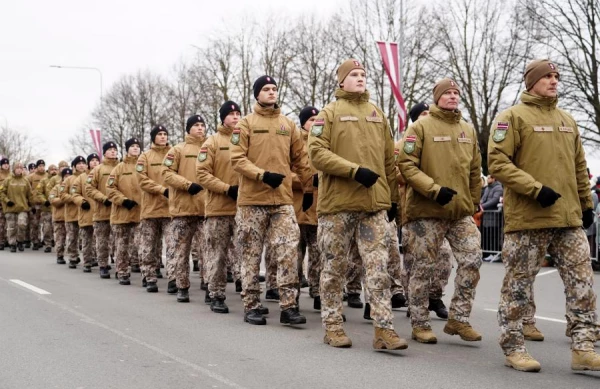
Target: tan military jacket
[(441, 150), (4, 174), (149, 169), (265, 140), (400, 217), (85, 217), (179, 174), (534, 143), (215, 173), (58, 207), (123, 184), (67, 195), (95, 188), (41, 194), (34, 180), (18, 190), (310, 216), (351, 133)]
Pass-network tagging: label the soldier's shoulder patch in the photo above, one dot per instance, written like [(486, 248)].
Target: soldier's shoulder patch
[(111, 180), (500, 131), (202, 154), (61, 188), (73, 189), (169, 160), (235, 136), (139, 167), (317, 127), (89, 178), (409, 144), (52, 196)]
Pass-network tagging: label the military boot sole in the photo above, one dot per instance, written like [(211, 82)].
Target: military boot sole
[(380, 344), (152, 288), (424, 340), (528, 369), (299, 320), (183, 299), (105, 276), (451, 331), (172, 291), (337, 344), (534, 338), (580, 367), (124, 282), (219, 310), (87, 269), (256, 322)]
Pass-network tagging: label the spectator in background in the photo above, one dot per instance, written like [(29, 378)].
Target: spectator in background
[(492, 221), (591, 231)]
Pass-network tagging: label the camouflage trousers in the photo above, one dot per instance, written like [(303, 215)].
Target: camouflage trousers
[(308, 243), (270, 268), (111, 239), (522, 254), (151, 232), (198, 253), (2, 227), (335, 235), (103, 242), (134, 253), (233, 258), (441, 271), (278, 226), (125, 248), (179, 246), (72, 249), (87, 244), (16, 227), (46, 220), (424, 239), (34, 224), (60, 237), (222, 232)]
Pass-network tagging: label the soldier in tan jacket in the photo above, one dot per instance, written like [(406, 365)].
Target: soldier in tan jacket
[(155, 219), (67, 195), (351, 144), (4, 173), (95, 188), (123, 190), (35, 214), (58, 216), (215, 174), (186, 206), (266, 145), (535, 150), (16, 198)]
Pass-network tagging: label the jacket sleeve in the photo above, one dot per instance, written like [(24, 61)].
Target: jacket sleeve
[(30, 198), (112, 187), (65, 190), (299, 160), (239, 154), (583, 185), (501, 155), (171, 163), (146, 183), (4, 191), (54, 197), (475, 176), (399, 177), (205, 169), (319, 148), (39, 194), (91, 189), (390, 162), (410, 164), (76, 190)]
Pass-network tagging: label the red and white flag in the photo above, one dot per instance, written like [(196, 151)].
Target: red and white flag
[(96, 139), (389, 55)]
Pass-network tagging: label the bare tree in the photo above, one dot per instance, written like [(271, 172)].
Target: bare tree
[(15, 145)]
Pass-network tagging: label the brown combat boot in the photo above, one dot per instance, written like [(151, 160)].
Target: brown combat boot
[(466, 332), (522, 361), (530, 332), (337, 338), (424, 335), (585, 360), (386, 339)]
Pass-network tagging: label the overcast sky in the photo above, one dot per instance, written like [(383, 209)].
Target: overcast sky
[(118, 37)]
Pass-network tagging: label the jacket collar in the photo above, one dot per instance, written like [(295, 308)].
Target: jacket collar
[(547, 102), (159, 148), (110, 161), (265, 111), (352, 96), (130, 159), (194, 140), (224, 130), (445, 115)]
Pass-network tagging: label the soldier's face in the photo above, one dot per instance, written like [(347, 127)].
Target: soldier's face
[(309, 123), (41, 168), (53, 171), (80, 167), (5, 166), (18, 171), (268, 94), (547, 86), (134, 150), (232, 119), (198, 129), (94, 162), (66, 176), (111, 153), (449, 100), (355, 81), (161, 138)]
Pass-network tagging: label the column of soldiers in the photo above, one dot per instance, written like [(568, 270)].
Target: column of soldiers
[(340, 191)]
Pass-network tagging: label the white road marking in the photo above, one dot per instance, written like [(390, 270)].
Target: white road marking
[(30, 287), (537, 317), (547, 272)]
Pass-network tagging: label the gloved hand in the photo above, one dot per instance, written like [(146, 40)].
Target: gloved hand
[(273, 179), (85, 206), (47, 203), (588, 218), (33, 210), (547, 197), (366, 177), (10, 203), (166, 193), (316, 180), (194, 189), (107, 203), (392, 212), (129, 204), (233, 192), (445, 195), (307, 201)]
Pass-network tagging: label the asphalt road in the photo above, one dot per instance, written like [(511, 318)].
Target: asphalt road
[(93, 333)]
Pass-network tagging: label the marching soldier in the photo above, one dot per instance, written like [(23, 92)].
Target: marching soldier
[(58, 216), (4, 174), (67, 192), (16, 197), (34, 178)]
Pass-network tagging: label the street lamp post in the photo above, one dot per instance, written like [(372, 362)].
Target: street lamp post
[(83, 68)]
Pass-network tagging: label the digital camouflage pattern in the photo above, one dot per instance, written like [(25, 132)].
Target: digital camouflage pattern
[(222, 232), (16, 227), (60, 237), (87, 244), (103, 241), (151, 233), (72, 249), (179, 246), (124, 237)]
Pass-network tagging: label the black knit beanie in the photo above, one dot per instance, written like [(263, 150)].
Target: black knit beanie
[(417, 110), (4, 160), (77, 159), (66, 171), (156, 130), (227, 108), (193, 120), (260, 82), (131, 142), (109, 145), (90, 157), (306, 113)]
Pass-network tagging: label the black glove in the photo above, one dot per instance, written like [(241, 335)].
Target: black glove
[(129, 204), (194, 189), (273, 179), (166, 193), (10, 203), (33, 210), (366, 177), (316, 181), (107, 203), (307, 201), (547, 197), (47, 203), (445, 195), (588, 218), (233, 192), (392, 212), (85, 206)]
